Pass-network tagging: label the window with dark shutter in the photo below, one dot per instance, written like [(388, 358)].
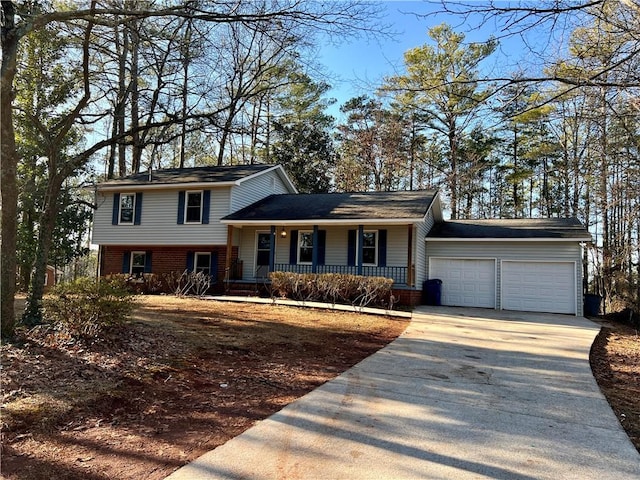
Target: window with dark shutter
[(138, 263), (127, 208), (193, 207)]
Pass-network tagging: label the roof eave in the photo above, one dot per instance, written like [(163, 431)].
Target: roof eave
[(436, 208), (507, 239), (311, 222), (165, 186)]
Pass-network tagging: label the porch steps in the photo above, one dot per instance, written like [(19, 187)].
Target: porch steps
[(243, 289)]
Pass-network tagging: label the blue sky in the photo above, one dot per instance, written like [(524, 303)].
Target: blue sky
[(358, 66)]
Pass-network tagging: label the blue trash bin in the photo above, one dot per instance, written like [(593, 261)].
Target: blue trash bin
[(592, 304), (432, 292)]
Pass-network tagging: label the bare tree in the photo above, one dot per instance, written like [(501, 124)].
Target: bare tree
[(557, 19), (20, 19)]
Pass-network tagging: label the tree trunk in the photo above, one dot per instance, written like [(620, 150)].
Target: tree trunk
[(136, 156), (120, 112), (33, 311), (453, 179), (186, 63), (8, 173)]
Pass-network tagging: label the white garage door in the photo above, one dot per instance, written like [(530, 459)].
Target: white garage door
[(539, 286), (465, 282)]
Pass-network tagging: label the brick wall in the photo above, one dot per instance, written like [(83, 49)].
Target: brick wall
[(164, 259), (408, 297)]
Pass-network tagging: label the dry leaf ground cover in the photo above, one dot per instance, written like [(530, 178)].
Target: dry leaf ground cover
[(187, 375), (615, 362), (184, 377)]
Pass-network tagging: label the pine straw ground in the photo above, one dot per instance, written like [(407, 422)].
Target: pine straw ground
[(186, 376)]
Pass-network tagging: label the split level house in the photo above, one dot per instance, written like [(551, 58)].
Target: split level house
[(238, 223)]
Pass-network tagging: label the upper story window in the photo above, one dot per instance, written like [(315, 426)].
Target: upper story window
[(370, 248), (127, 208), (193, 207), (305, 247)]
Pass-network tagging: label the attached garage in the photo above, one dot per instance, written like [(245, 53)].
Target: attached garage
[(519, 264), (466, 282), (539, 286)]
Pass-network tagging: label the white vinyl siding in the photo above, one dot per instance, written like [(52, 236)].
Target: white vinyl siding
[(543, 251), (256, 188), (160, 225), (419, 248)]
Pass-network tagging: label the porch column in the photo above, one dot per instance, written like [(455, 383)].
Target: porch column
[(314, 250), (410, 255), (360, 248), (272, 249), (227, 258)]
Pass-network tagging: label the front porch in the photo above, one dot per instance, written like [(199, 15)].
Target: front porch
[(371, 251)]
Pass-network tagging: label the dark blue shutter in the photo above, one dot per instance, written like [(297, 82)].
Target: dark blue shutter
[(293, 248), (115, 215), (382, 248), (191, 257), (206, 202), (214, 267), (138, 212), (147, 261), (126, 262), (351, 248), (181, 195), (322, 246)]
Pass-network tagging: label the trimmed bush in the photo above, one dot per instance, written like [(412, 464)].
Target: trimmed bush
[(333, 288), (86, 307)]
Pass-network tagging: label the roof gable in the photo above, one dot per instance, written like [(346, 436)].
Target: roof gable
[(337, 207), (505, 229)]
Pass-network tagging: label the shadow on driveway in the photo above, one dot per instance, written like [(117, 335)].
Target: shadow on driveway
[(463, 393)]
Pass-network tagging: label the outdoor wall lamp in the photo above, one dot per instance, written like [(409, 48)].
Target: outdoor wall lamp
[(283, 233)]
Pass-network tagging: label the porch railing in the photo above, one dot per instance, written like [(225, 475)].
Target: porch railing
[(398, 274)]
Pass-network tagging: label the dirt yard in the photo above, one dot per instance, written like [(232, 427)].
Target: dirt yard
[(184, 377), (615, 362), (187, 375)]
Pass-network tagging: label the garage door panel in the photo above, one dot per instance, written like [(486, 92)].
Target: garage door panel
[(539, 286), (465, 282)]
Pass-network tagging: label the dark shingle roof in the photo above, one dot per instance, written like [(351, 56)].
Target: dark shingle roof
[(189, 175), (560, 228), (338, 206)]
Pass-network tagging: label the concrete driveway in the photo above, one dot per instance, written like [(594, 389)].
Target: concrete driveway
[(462, 394)]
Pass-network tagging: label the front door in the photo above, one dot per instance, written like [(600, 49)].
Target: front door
[(263, 246)]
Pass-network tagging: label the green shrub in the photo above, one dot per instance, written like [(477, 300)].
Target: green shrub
[(333, 288), (86, 307)]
